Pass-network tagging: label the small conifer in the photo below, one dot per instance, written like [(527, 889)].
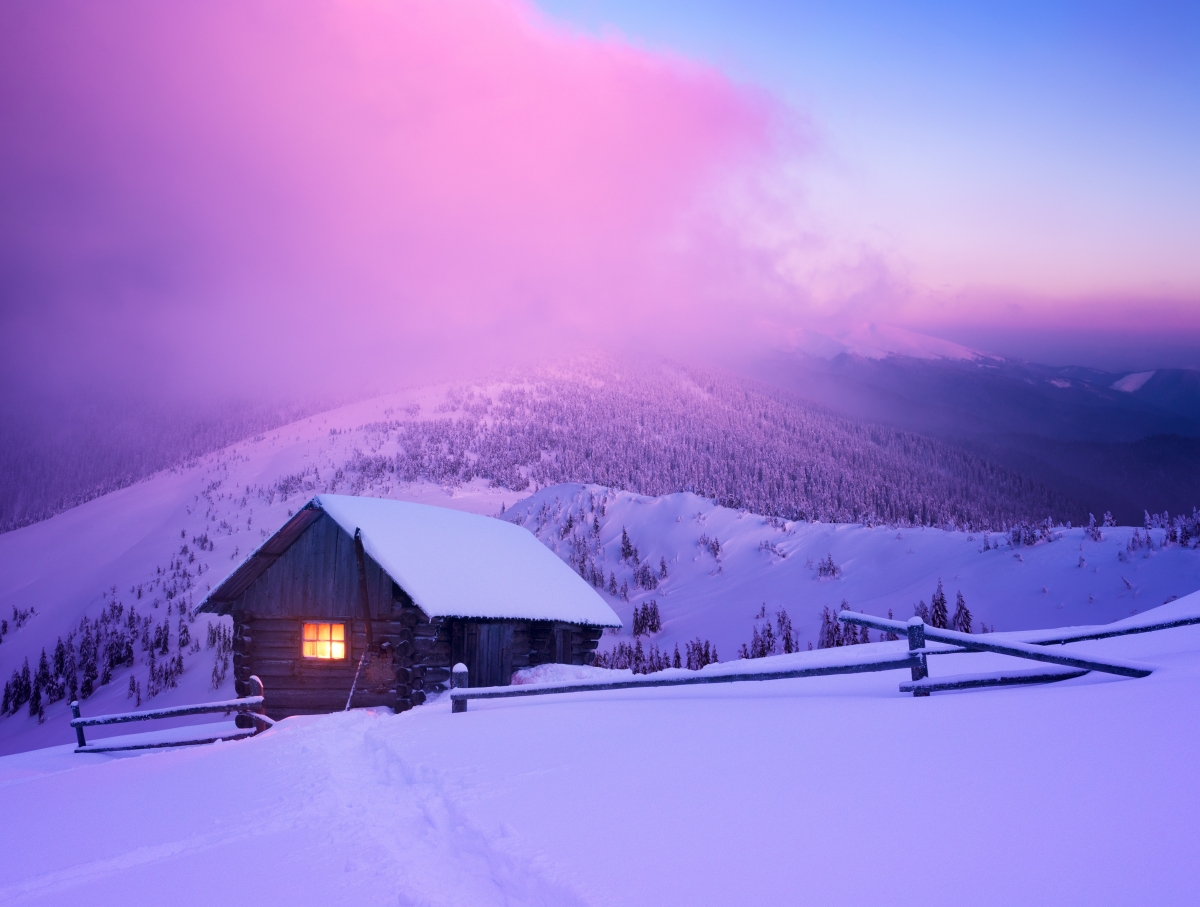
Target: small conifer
[(962, 614), (938, 612)]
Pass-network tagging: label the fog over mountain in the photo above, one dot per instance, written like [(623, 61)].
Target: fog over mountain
[(646, 427), (1013, 440)]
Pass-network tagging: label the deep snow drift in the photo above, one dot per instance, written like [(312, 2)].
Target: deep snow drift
[(832, 790)]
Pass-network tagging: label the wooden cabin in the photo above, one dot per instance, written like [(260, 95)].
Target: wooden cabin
[(418, 589)]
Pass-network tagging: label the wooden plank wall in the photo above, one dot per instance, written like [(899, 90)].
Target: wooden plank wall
[(317, 578)]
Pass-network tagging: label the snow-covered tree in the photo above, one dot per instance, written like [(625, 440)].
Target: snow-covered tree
[(828, 568), (939, 608), (962, 615)]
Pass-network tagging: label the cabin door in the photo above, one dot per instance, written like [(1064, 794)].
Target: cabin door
[(491, 665)]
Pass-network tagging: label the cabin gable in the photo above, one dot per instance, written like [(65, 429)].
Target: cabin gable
[(317, 578)]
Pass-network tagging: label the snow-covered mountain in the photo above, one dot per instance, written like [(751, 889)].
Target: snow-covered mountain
[(134, 562), (1108, 441), (599, 798), (648, 427)]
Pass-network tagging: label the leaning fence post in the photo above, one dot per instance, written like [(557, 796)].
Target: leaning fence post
[(78, 729), (458, 681), (916, 643)]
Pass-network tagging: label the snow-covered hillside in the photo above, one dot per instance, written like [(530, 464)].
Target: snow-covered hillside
[(134, 563), (832, 790), (156, 547), (723, 567)]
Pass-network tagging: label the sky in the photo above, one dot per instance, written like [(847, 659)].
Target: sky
[(1034, 158), (286, 197)]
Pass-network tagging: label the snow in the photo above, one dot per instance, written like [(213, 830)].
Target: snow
[(457, 564), (1131, 383), (832, 790), (552, 673), (1069, 580), (828, 790)]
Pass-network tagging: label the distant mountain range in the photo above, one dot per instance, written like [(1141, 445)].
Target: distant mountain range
[(1111, 441)]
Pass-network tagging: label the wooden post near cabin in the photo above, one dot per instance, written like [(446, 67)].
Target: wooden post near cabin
[(246, 719), (78, 730), (458, 681), (916, 643)]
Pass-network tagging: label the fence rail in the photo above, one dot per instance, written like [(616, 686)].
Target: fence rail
[(251, 719), (1086, 633), (996, 679), (461, 693), (980, 644)]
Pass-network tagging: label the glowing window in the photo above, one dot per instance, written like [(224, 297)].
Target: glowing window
[(322, 640)]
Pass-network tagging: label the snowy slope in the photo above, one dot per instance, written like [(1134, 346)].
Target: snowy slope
[(831, 790), (182, 531), (1070, 580), (144, 537)]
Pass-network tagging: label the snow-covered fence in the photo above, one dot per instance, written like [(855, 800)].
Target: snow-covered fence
[(1059, 666), (251, 719), (918, 632), (994, 679), (461, 694)]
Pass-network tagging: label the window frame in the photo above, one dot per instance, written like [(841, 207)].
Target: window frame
[(318, 660)]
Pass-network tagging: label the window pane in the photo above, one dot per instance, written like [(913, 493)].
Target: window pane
[(310, 649), (339, 650), (310, 631), (339, 632)]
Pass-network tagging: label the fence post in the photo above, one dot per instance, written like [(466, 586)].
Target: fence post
[(78, 730), (916, 643), (257, 689), (458, 681), (246, 719)]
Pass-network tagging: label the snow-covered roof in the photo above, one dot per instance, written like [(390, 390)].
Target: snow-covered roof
[(456, 564)]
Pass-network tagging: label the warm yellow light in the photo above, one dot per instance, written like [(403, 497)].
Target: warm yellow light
[(324, 640)]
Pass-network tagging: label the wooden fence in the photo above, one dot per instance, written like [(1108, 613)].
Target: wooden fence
[(918, 632), (1060, 666), (251, 719)]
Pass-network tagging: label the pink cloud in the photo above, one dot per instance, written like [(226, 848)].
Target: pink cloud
[(227, 186)]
